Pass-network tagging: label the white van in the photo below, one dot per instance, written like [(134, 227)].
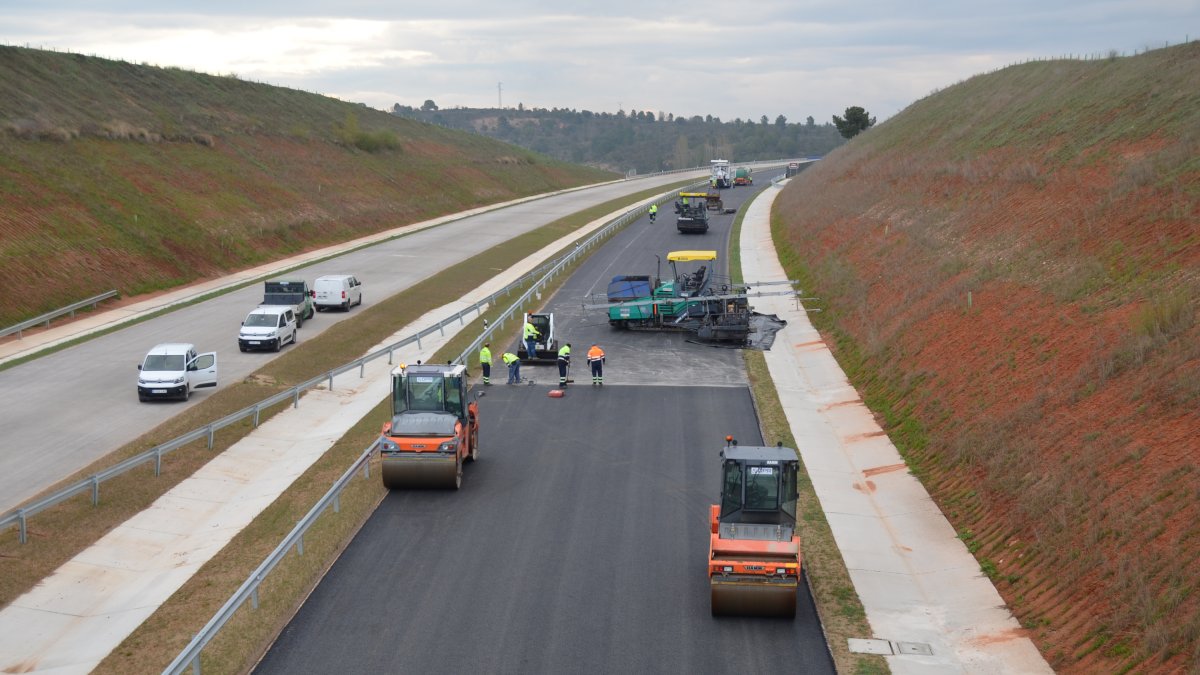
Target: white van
[(173, 370), (337, 290), (267, 327)]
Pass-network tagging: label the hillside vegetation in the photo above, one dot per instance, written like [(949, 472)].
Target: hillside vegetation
[(641, 140), (1010, 271), (115, 175)]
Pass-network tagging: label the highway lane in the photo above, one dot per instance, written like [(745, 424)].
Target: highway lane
[(578, 541), (577, 544), (63, 411)]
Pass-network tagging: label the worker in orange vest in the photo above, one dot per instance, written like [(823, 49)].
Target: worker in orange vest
[(595, 359)]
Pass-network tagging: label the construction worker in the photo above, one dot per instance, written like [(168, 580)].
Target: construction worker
[(514, 367), (531, 335), (595, 359), (564, 363), (653, 212), (485, 362), (685, 202)]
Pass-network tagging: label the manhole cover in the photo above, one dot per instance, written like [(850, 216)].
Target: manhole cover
[(914, 648), (870, 646)]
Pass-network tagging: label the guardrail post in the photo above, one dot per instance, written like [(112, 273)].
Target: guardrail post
[(300, 544), (337, 503), (390, 352), (196, 665), (418, 340), (157, 462), (367, 469), (442, 327), (255, 415), (95, 490), (296, 394), (21, 525), (331, 380), (212, 434), (362, 371), (254, 596)]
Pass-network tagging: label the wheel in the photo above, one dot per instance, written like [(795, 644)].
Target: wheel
[(346, 306), (242, 348), (359, 299), (299, 321), (295, 338), (187, 392), (278, 345), (311, 313)]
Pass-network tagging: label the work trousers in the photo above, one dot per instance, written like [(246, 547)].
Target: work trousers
[(514, 372), (487, 372), (597, 371), (563, 364)]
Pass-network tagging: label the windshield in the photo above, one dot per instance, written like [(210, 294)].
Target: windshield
[(426, 392), (262, 320), (762, 488), (164, 362)]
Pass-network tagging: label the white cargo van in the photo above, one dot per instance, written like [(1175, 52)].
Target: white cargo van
[(267, 328), (173, 370), (337, 290)]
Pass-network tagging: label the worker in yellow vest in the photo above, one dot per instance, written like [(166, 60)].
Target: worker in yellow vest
[(595, 358), (485, 362), (653, 212), (514, 367), (564, 363), (531, 335)]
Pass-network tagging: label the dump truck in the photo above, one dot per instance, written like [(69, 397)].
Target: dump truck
[(434, 428), (720, 178), (742, 176), (545, 345), (691, 212), (754, 557)]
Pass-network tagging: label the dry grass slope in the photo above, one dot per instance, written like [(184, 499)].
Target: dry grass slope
[(115, 175), (1010, 270)]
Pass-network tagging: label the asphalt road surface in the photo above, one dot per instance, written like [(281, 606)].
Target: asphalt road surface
[(577, 544), (578, 541), (63, 411)]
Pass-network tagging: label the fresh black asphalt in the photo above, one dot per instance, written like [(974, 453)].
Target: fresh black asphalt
[(577, 543)]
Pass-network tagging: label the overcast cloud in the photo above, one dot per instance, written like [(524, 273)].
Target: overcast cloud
[(728, 59)]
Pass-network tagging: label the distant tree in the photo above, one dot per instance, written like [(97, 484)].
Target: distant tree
[(521, 107), (763, 120), (708, 118), (856, 121), (781, 121), (429, 105), (810, 122), (670, 117)]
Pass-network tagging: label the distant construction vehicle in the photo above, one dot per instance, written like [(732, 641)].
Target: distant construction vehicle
[(754, 559), (434, 428), (691, 212), (742, 176), (721, 177)]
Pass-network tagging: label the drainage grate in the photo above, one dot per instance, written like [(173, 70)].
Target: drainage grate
[(869, 646), (914, 648)]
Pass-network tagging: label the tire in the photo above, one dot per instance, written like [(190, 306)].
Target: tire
[(187, 392), (359, 299), (299, 321), (346, 306), (295, 338), (242, 348), (278, 345)]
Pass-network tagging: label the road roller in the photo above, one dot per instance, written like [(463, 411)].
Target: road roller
[(754, 559), (434, 428)]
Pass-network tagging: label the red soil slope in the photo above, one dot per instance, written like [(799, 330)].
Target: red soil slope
[(1011, 275)]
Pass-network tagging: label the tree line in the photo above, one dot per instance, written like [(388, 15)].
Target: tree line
[(639, 140)]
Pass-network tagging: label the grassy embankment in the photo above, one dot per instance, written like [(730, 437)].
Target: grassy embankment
[(1010, 270), (115, 175)]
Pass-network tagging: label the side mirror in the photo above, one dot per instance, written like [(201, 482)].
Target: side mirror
[(139, 366)]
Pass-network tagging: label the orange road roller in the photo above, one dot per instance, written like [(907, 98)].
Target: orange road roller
[(754, 560), (434, 428)]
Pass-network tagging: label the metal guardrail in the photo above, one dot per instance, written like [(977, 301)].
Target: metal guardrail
[(190, 656), (45, 318)]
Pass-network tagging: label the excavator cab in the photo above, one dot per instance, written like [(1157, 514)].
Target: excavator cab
[(754, 560)]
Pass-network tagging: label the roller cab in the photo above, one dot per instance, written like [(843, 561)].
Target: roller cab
[(754, 558), (434, 428)]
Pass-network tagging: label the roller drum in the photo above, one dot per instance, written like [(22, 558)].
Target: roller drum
[(419, 472), (753, 596)]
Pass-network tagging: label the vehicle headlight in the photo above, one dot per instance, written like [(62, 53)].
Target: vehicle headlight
[(449, 446), (180, 379)]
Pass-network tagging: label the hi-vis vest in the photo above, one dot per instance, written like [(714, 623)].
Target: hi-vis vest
[(595, 354)]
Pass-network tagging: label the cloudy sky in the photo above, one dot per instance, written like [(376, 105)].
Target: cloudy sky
[(729, 59)]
